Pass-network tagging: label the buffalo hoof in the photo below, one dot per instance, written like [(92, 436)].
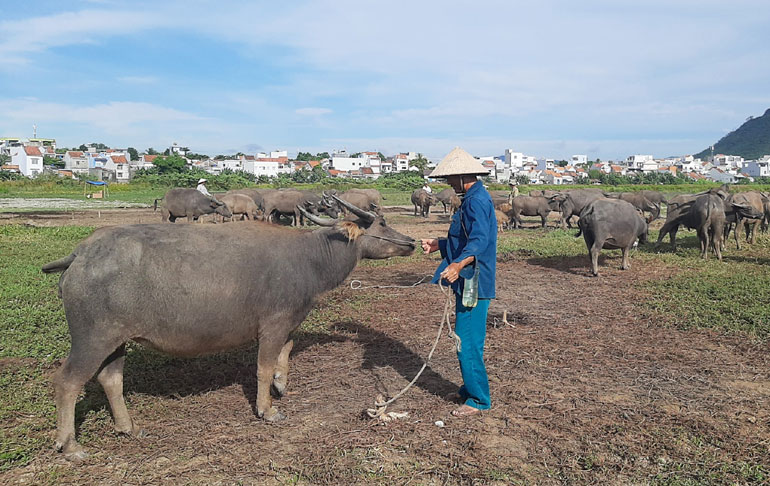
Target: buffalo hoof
[(72, 451), (135, 432), (273, 415), (76, 457)]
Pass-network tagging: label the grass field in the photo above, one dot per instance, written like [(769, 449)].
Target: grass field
[(732, 297)]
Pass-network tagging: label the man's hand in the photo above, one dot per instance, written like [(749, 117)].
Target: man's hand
[(429, 245), (452, 272)]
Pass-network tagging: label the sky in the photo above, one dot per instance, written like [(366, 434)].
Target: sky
[(605, 78)]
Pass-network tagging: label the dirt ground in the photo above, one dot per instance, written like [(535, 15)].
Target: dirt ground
[(586, 388)]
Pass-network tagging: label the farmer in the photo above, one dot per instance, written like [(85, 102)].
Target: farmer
[(202, 188), (426, 188), (469, 253)]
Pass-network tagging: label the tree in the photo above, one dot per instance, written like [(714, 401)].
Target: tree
[(133, 153), (562, 163), (170, 163), (48, 160), (521, 179), (382, 157), (323, 155), (167, 152), (5, 159), (151, 151), (420, 162), (83, 147)]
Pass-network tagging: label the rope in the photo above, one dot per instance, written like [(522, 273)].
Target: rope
[(380, 405), (357, 285)]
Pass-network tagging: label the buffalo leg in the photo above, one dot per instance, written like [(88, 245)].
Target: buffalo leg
[(737, 233), (81, 364), (716, 241), (703, 238), (269, 349), (594, 246), (625, 264), (281, 375), (111, 379)]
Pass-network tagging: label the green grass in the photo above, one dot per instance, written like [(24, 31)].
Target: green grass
[(732, 296)]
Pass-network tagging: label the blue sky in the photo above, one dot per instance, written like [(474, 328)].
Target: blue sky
[(606, 78)]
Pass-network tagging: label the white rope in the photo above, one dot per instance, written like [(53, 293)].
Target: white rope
[(357, 285), (380, 405)]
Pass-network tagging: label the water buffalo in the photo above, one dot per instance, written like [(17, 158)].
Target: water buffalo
[(757, 200), (286, 203), (677, 206), (680, 213), (640, 201), (544, 193), (190, 203), (655, 197), (422, 200), (241, 204), (611, 224), (168, 288), (532, 206), (572, 203), (362, 198), (447, 197), (254, 193)]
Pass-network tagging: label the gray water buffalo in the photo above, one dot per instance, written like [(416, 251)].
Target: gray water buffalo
[(168, 288), (681, 213), (640, 201), (422, 201), (611, 224), (447, 197), (757, 200), (544, 193), (362, 198), (286, 203), (189, 203), (707, 217), (677, 207), (254, 193), (241, 204), (655, 197), (572, 203), (532, 206)]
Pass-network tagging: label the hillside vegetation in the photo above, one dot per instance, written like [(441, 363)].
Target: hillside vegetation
[(751, 140)]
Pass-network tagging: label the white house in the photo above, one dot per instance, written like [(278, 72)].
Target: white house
[(513, 160), (401, 162), (734, 161), (756, 168), (342, 161), (76, 161), (29, 159), (579, 159), (262, 165), (639, 162), (121, 167), (718, 175), (545, 164)]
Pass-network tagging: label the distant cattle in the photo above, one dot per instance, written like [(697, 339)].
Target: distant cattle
[(422, 201)]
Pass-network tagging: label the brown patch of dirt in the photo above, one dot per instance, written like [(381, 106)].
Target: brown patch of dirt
[(585, 389)]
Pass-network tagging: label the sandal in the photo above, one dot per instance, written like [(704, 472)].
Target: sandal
[(465, 411)]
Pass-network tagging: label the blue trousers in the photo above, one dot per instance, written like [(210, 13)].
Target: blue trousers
[(471, 326)]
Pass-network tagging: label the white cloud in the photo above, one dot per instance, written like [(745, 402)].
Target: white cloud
[(312, 111)]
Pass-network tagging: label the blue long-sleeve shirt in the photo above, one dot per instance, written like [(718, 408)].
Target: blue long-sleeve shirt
[(477, 214)]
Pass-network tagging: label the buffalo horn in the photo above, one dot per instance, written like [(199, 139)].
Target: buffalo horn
[(316, 219), (365, 215)]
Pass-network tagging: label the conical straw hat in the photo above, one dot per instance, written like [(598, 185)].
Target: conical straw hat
[(458, 162)]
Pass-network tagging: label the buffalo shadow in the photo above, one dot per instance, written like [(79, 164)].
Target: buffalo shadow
[(157, 374)]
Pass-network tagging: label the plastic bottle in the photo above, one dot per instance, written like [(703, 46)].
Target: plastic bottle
[(471, 289)]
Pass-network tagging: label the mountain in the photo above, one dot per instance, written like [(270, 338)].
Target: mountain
[(751, 140)]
